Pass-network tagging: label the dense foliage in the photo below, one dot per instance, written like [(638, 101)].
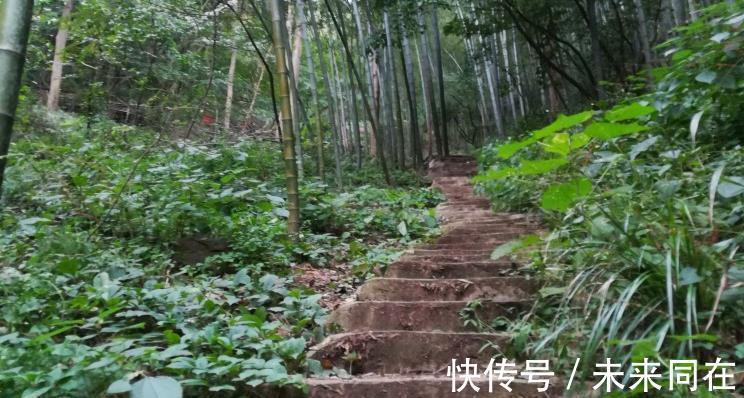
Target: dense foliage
[(646, 207), (100, 222)]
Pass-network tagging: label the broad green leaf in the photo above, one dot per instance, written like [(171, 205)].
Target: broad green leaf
[(731, 186), (689, 276), (642, 146), (561, 197), (157, 387), (495, 174), (508, 150), (402, 228), (530, 167), (563, 122), (118, 387), (292, 348), (707, 76), (558, 143), (608, 131), (35, 392), (514, 245), (632, 111)]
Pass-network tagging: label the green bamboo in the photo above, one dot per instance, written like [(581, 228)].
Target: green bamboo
[(15, 22), (290, 166)]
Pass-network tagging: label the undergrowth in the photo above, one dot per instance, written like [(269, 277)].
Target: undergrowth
[(91, 288), (645, 205)]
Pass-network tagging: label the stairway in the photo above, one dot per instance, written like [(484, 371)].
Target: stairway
[(404, 329)]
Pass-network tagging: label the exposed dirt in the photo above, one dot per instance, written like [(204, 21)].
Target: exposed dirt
[(407, 324)]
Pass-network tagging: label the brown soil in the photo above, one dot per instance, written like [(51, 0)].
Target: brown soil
[(404, 329)]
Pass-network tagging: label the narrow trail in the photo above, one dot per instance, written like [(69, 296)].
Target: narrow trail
[(404, 330)]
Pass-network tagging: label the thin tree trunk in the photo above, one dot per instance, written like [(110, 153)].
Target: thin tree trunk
[(440, 78), (378, 137), (230, 87), (483, 107), (591, 13), (293, 92), (256, 90), (418, 160), (329, 97), (645, 40), (349, 75), (425, 91), (290, 165), (15, 23), (426, 71), (313, 89), (678, 7), (396, 92), (60, 42)]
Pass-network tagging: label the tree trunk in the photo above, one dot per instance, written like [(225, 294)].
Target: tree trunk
[(329, 97), (290, 165), (396, 92), (440, 78), (230, 86), (60, 42), (378, 137), (15, 23), (426, 71), (591, 13), (680, 16), (645, 40), (294, 96), (405, 52), (313, 89)]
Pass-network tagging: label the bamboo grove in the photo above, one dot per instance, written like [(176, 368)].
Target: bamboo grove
[(343, 83)]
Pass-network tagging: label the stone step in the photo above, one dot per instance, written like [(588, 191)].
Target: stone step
[(481, 245), (442, 316), (405, 352), (472, 237), (398, 289), (424, 386), (424, 270), (440, 258)]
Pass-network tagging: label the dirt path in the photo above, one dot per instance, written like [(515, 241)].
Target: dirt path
[(404, 330)]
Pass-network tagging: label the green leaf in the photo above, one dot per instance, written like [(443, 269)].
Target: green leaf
[(561, 197), (35, 392), (530, 167), (731, 186), (508, 150), (495, 174), (68, 265), (707, 76), (632, 111), (689, 276), (642, 146), (563, 122), (608, 131), (157, 387), (514, 245), (292, 348), (402, 228), (118, 387)]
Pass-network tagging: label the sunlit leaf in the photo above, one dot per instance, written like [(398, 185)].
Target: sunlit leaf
[(627, 112), (561, 197), (608, 131)]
